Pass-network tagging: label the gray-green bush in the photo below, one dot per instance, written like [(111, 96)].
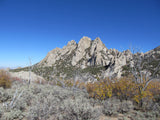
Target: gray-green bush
[(13, 114), (112, 107), (4, 96), (125, 106), (78, 109)]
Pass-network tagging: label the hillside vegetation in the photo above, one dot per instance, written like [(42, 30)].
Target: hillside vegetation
[(75, 100)]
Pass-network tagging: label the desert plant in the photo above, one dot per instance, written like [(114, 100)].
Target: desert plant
[(124, 88), (156, 109), (78, 109), (43, 108), (111, 107), (138, 115), (125, 106), (101, 89), (12, 115), (5, 81), (4, 96)]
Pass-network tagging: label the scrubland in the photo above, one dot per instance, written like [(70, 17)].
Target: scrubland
[(107, 99)]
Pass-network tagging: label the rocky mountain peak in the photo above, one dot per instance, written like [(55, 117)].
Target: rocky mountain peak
[(84, 43), (72, 42), (97, 46), (85, 38), (97, 40)]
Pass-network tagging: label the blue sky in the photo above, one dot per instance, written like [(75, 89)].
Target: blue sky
[(31, 28)]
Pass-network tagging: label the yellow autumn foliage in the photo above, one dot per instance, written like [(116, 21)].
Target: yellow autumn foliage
[(100, 90), (124, 88), (5, 81)]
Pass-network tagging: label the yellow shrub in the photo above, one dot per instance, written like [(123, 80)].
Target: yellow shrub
[(100, 90), (124, 88), (5, 81), (154, 89)]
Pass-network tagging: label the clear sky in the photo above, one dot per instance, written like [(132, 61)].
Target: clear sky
[(31, 28)]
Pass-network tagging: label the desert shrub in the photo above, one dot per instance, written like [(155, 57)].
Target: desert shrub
[(154, 89), (36, 101), (14, 114), (101, 89), (111, 107), (36, 90), (27, 97), (138, 115), (18, 98), (124, 88), (63, 94), (128, 89), (77, 109), (151, 93), (5, 81), (47, 101), (94, 102), (151, 106), (4, 96), (20, 104), (156, 109), (126, 106), (43, 108)]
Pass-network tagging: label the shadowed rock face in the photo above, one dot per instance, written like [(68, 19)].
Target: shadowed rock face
[(90, 53)]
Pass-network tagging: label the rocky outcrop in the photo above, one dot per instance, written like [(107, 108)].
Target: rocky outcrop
[(57, 54), (88, 54), (83, 44)]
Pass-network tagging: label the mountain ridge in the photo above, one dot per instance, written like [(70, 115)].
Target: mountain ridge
[(89, 57)]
